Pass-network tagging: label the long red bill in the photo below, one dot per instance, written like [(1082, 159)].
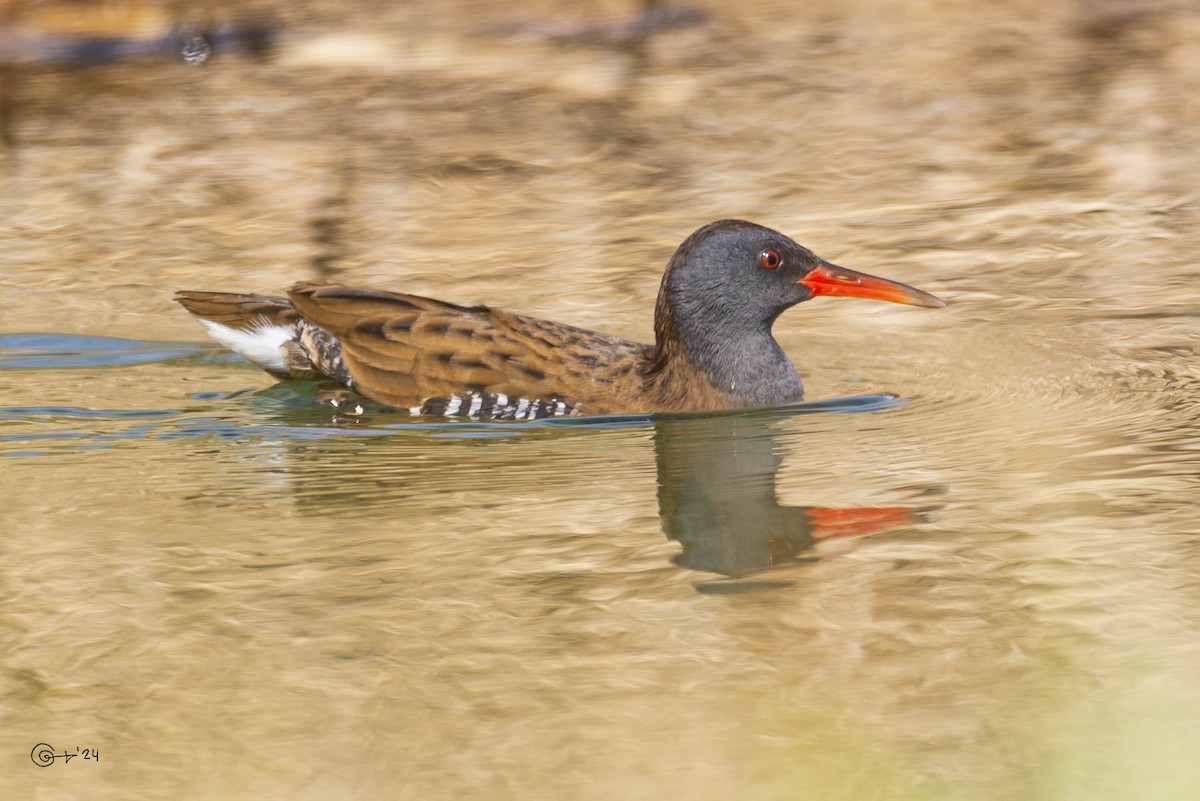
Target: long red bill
[(829, 279)]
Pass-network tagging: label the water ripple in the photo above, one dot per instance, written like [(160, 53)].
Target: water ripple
[(284, 411), (62, 351)]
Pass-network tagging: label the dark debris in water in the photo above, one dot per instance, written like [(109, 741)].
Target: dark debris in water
[(87, 37), (26, 42)]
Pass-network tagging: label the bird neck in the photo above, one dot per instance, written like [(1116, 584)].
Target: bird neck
[(736, 355)]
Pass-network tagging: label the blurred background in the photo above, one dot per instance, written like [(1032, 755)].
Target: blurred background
[(231, 595)]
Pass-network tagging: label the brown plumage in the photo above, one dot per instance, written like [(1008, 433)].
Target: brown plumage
[(713, 346), (404, 348)]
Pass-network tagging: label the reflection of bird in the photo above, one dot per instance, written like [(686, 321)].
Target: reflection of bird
[(717, 498), (720, 295)]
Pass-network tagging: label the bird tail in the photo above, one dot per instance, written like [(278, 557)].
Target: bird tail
[(263, 329)]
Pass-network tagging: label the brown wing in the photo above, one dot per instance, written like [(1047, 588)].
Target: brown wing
[(404, 349)]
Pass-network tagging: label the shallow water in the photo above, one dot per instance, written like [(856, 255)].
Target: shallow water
[(965, 567)]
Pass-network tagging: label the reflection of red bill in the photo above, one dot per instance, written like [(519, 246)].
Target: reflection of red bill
[(834, 524)]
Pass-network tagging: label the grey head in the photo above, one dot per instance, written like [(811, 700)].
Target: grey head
[(723, 290)]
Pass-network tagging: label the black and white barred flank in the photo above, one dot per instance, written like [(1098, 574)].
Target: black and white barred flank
[(494, 406)]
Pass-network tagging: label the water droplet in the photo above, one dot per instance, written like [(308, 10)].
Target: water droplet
[(196, 50)]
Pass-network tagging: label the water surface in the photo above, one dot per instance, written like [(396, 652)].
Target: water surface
[(965, 567)]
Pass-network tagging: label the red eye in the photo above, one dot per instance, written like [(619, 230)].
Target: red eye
[(770, 259)]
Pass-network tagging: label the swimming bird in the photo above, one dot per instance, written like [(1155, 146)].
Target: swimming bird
[(720, 295)]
